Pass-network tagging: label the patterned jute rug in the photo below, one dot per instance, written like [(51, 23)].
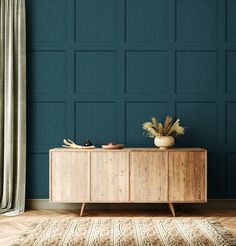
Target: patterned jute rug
[(126, 231)]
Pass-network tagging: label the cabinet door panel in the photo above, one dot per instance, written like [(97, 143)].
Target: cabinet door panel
[(187, 176), (109, 176), (148, 176), (69, 176)]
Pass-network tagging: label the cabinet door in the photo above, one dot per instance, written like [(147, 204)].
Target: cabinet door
[(148, 176), (69, 176), (109, 176), (187, 176)]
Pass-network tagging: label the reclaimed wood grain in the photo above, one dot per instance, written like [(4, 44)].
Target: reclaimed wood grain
[(69, 180), (134, 175), (149, 176), (187, 176), (110, 176)]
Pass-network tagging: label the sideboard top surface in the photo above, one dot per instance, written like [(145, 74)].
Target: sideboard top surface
[(130, 149)]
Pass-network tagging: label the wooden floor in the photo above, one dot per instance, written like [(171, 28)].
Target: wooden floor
[(12, 227)]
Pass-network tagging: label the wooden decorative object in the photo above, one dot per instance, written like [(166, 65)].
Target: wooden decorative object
[(135, 175), (70, 144)]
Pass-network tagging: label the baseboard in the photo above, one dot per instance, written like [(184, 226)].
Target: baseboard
[(211, 204)]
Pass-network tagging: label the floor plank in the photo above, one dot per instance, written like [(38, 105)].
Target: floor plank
[(12, 227)]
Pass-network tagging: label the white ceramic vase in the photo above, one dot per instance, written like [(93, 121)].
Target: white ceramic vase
[(164, 142)]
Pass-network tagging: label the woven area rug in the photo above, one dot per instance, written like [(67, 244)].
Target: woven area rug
[(125, 231)]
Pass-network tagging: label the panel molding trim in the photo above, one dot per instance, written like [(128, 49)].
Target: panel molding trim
[(114, 64)]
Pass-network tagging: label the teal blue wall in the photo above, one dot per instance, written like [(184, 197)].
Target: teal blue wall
[(98, 69)]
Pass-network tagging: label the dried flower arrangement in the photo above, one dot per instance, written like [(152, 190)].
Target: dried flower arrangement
[(156, 129)]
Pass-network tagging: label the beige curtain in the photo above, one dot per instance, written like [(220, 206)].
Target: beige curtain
[(12, 106)]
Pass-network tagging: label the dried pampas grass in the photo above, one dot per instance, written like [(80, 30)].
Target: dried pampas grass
[(156, 129)]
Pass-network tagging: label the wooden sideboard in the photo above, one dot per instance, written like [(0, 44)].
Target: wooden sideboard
[(130, 175)]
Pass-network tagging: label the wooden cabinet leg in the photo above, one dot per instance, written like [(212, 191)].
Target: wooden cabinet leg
[(172, 208), (83, 206)]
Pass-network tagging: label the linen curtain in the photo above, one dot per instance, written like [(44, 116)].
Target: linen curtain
[(12, 106)]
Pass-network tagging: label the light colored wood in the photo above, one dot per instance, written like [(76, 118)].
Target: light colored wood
[(136, 175), (69, 177), (172, 208), (148, 176), (129, 150), (187, 177), (110, 176), (11, 227), (83, 206)]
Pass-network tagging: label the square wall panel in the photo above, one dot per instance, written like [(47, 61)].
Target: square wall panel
[(196, 72), (47, 73), (95, 121), (200, 118), (146, 72), (146, 20), (231, 71), (136, 114), (231, 170), (196, 20), (95, 72), (37, 183), (95, 21), (231, 20), (230, 123), (46, 123), (47, 21)]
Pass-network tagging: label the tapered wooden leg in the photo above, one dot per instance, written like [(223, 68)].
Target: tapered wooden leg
[(172, 208), (83, 206)]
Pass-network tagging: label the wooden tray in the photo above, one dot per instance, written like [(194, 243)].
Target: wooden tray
[(113, 146)]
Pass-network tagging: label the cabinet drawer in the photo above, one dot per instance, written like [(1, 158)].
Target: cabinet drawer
[(187, 176), (148, 176), (69, 177), (110, 176)]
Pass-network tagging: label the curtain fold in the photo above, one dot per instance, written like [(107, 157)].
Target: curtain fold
[(12, 106)]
